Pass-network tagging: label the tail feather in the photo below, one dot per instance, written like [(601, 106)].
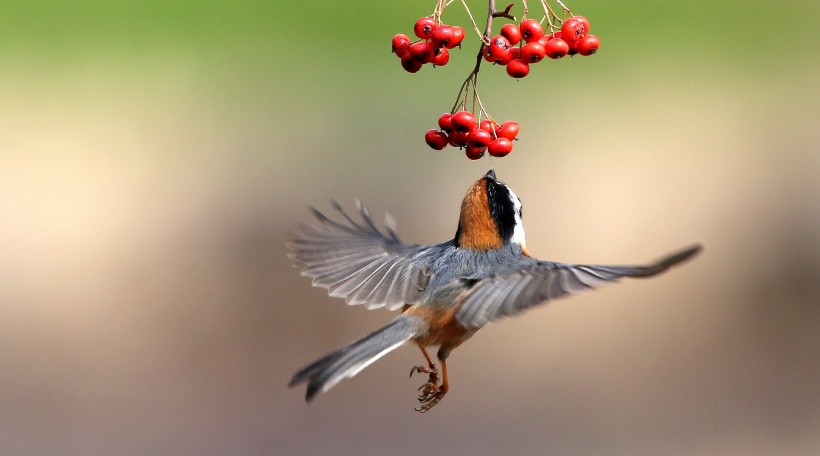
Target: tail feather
[(324, 373)]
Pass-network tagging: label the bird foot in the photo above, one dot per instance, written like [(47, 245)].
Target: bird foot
[(430, 395), (431, 392)]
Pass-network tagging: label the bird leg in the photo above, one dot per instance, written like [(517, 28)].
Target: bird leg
[(431, 368), (432, 392)]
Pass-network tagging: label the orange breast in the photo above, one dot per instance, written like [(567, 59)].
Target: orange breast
[(477, 229)]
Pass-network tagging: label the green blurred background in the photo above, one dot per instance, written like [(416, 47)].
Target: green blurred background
[(154, 155)]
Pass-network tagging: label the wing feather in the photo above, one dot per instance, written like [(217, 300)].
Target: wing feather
[(366, 286), (533, 283), (395, 297), (354, 260), (344, 287), (381, 289)]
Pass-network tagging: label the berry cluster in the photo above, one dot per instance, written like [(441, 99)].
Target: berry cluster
[(435, 40), (461, 129), (517, 46), (534, 44)]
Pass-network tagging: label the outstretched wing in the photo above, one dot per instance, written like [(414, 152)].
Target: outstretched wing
[(355, 261), (505, 295)]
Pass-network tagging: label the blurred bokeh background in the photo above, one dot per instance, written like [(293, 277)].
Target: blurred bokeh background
[(154, 155)]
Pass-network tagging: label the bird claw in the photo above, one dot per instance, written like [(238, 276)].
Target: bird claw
[(428, 390), (430, 395), (432, 370), (431, 392)]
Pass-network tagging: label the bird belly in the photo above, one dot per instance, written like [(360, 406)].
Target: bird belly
[(441, 326)]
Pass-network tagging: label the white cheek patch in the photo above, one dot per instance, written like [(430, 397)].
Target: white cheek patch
[(518, 231)]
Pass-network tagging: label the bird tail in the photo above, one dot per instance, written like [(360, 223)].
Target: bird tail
[(324, 373)]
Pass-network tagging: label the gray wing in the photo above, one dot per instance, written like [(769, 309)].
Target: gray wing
[(355, 261), (505, 295)]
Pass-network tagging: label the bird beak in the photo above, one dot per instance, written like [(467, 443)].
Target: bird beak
[(490, 174)]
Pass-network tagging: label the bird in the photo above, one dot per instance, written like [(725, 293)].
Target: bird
[(446, 292)]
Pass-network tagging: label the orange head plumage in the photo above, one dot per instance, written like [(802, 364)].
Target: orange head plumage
[(490, 216)]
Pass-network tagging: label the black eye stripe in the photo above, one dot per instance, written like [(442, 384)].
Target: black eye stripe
[(502, 208)]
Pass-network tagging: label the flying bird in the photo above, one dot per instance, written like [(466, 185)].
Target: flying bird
[(446, 292)]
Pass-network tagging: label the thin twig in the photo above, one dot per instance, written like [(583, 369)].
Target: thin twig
[(488, 30), (481, 105), (438, 11), (505, 13), (469, 13), (472, 78), (564, 6), (550, 14)]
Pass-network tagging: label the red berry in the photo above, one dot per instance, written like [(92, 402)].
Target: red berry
[(425, 27), (442, 36), (422, 51), (507, 59), (436, 139), (500, 147), (573, 47), (458, 37), (553, 36), (444, 122), (442, 57), (401, 43), (508, 129), (499, 47), (584, 21), (463, 121), (410, 64), (531, 30), (512, 33), (518, 68), (516, 53), (485, 51), (572, 30), (556, 48), (479, 138), (457, 138), (588, 45), (474, 153), (533, 52), (488, 125)]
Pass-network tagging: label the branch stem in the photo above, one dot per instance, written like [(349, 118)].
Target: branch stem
[(472, 79)]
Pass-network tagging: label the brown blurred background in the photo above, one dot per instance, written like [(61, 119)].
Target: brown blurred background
[(154, 155)]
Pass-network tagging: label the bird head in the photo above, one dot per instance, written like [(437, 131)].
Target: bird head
[(490, 216)]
